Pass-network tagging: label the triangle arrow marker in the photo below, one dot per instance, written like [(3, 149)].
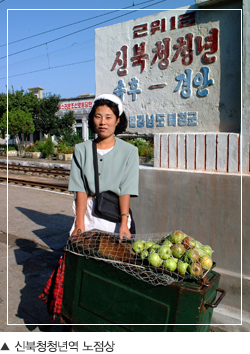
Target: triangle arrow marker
[(5, 347)]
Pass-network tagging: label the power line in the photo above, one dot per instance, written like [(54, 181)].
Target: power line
[(84, 29), (69, 50), (71, 24), (54, 67)]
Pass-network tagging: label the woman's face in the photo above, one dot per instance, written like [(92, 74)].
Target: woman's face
[(105, 121)]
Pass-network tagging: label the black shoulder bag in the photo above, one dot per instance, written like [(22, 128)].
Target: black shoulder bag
[(107, 203)]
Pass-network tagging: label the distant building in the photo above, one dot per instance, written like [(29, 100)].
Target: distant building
[(81, 106), (38, 91)]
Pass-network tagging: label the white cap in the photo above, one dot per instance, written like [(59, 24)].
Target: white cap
[(112, 98)]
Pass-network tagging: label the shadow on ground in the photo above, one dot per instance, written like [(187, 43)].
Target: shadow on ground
[(38, 262)]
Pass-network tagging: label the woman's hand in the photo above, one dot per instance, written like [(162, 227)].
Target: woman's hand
[(78, 230), (124, 202), (124, 232), (81, 204)]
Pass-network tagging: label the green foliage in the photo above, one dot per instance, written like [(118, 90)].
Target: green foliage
[(11, 147), (43, 112), (46, 121), (19, 122), (67, 142), (63, 148), (25, 101), (70, 139), (33, 147), (3, 104), (46, 147), (64, 124), (145, 147)]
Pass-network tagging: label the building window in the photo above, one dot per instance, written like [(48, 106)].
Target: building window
[(79, 131), (91, 135)]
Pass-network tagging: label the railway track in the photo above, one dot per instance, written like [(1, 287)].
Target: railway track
[(37, 177), (32, 183), (55, 172)]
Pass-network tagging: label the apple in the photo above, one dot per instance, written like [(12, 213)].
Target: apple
[(206, 262), (153, 248), (144, 254), (175, 259), (138, 246), (164, 252), (177, 237), (200, 251), (167, 243), (170, 264), (189, 242), (208, 250), (178, 250), (198, 244), (191, 256), (155, 260), (148, 244), (195, 269), (182, 267)]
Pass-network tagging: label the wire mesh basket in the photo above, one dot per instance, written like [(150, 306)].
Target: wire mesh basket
[(150, 257)]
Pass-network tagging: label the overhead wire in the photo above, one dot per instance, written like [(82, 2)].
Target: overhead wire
[(54, 67), (64, 65), (74, 48), (71, 24), (81, 30)]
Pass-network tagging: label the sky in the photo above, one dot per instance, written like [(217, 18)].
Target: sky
[(51, 43)]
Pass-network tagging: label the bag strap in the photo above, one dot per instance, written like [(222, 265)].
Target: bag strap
[(95, 168)]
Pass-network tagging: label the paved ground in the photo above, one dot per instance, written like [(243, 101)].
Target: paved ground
[(37, 231), (38, 227)]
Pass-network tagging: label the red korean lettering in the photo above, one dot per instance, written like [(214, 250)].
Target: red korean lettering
[(172, 23), (140, 30), (162, 52), (121, 59), (140, 55), (211, 43), (184, 48), (186, 20), (158, 25)]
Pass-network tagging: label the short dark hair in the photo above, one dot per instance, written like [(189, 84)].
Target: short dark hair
[(121, 126)]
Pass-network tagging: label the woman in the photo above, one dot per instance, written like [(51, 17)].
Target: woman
[(118, 165)]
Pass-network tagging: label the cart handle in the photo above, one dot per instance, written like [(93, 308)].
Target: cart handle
[(223, 293)]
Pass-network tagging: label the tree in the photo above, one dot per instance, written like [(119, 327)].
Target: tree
[(3, 104), (19, 123), (46, 120), (25, 101), (63, 125), (17, 100)]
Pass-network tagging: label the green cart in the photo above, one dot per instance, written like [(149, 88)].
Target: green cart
[(100, 297)]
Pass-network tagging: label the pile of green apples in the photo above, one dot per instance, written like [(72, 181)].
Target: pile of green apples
[(176, 252)]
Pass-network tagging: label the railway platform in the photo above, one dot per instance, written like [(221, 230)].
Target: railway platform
[(43, 162), (39, 221)]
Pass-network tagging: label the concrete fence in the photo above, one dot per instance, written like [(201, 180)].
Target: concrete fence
[(218, 152), (206, 206)]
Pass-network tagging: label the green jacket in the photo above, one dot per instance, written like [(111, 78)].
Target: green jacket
[(118, 169)]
